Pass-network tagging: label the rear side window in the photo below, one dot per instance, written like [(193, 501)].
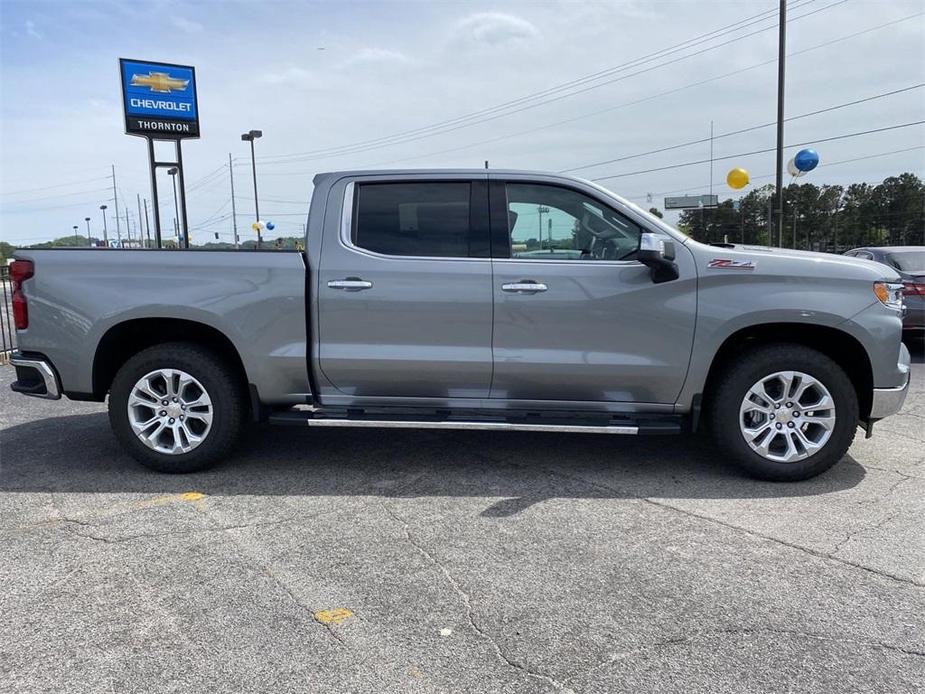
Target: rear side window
[(416, 219)]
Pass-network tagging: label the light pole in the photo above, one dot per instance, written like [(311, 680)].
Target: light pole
[(75, 234), (87, 220), (176, 206), (250, 136), (105, 235), (541, 210)]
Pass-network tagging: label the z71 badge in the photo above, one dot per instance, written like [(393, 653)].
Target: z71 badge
[(730, 264)]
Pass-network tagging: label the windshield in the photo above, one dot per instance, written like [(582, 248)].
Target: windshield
[(907, 261)]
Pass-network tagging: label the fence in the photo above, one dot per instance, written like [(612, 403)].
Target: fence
[(7, 331)]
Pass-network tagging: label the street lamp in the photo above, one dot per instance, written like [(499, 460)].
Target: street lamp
[(250, 136), (75, 234), (105, 235), (87, 220), (176, 205)]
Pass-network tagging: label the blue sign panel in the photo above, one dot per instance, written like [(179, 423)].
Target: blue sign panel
[(159, 99)]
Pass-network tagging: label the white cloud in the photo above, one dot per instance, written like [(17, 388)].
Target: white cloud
[(495, 28), (292, 75), (187, 25), (377, 56), (32, 31)]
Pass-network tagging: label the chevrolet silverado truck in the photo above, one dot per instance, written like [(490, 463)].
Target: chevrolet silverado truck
[(492, 300)]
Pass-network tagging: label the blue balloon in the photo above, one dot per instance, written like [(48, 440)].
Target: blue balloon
[(271, 226), (806, 160)]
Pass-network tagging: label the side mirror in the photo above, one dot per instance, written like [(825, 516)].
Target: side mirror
[(658, 254)]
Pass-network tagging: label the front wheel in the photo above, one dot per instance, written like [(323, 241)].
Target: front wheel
[(784, 412), (176, 407)]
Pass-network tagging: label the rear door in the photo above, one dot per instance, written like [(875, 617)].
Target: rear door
[(404, 290), (577, 318)]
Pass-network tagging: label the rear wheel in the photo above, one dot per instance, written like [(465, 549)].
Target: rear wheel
[(176, 407), (784, 412)]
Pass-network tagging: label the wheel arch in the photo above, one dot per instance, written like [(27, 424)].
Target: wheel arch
[(125, 339), (842, 347)]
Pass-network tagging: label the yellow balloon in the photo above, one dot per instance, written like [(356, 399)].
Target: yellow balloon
[(737, 178)]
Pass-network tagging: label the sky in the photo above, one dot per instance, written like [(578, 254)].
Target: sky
[(346, 85)]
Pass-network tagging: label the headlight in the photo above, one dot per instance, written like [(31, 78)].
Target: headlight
[(890, 294)]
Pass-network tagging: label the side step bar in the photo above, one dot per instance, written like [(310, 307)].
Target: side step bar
[(666, 424)]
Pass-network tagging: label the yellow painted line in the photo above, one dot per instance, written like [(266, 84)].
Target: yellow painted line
[(334, 616), (192, 496)]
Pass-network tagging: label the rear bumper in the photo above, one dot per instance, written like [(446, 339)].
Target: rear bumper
[(35, 376), (889, 401)]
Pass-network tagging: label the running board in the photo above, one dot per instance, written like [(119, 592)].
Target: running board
[(665, 424)]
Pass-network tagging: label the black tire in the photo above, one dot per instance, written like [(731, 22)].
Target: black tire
[(732, 385), (217, 377)]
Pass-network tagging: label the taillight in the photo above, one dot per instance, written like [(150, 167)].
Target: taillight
[(20, 271), (913, 289)]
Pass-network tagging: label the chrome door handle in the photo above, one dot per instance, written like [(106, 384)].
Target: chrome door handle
[(350, 284), (525, 286)]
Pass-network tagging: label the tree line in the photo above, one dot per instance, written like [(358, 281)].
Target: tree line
[(829, 218)]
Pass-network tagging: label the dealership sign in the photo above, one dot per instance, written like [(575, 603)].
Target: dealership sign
[(159, 99)]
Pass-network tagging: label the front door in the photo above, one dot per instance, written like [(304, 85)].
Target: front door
[(404, 291), (576, 317)]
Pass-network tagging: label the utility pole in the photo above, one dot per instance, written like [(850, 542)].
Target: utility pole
[(147, 223), (770, 226), (115, 204), (794, 227), (711, 160), (781, 48), (128, 229), (234, 215), (140, 237)]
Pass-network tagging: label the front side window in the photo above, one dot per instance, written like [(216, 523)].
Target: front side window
[(414, 219), (548, 222)]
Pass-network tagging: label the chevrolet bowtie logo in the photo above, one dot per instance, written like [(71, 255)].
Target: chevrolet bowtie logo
[(159, 82)]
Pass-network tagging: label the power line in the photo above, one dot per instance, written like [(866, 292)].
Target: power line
[(763, 176), (58, 185), (474, 118), (609, 109), (746, 130), (760, 151)]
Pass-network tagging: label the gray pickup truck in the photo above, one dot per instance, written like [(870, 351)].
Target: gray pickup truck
[(467, 299)]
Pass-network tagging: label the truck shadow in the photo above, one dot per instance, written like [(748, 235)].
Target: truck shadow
[(78, 454)]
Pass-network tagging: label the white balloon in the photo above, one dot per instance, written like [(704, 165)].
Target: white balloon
[(792, 168)]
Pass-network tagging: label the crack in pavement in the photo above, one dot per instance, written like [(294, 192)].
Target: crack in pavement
[(722, 633), (467, 603), (732, 526), (66, 521), (869, 528)]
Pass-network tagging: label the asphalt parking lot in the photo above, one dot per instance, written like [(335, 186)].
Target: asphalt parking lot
[(394, 561)]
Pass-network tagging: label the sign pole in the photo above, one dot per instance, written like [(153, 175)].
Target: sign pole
[(154, 200), (182, 194)]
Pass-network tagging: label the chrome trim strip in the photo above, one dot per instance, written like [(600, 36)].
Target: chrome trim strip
[(485, 426), (49, 377), (888, 401)]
